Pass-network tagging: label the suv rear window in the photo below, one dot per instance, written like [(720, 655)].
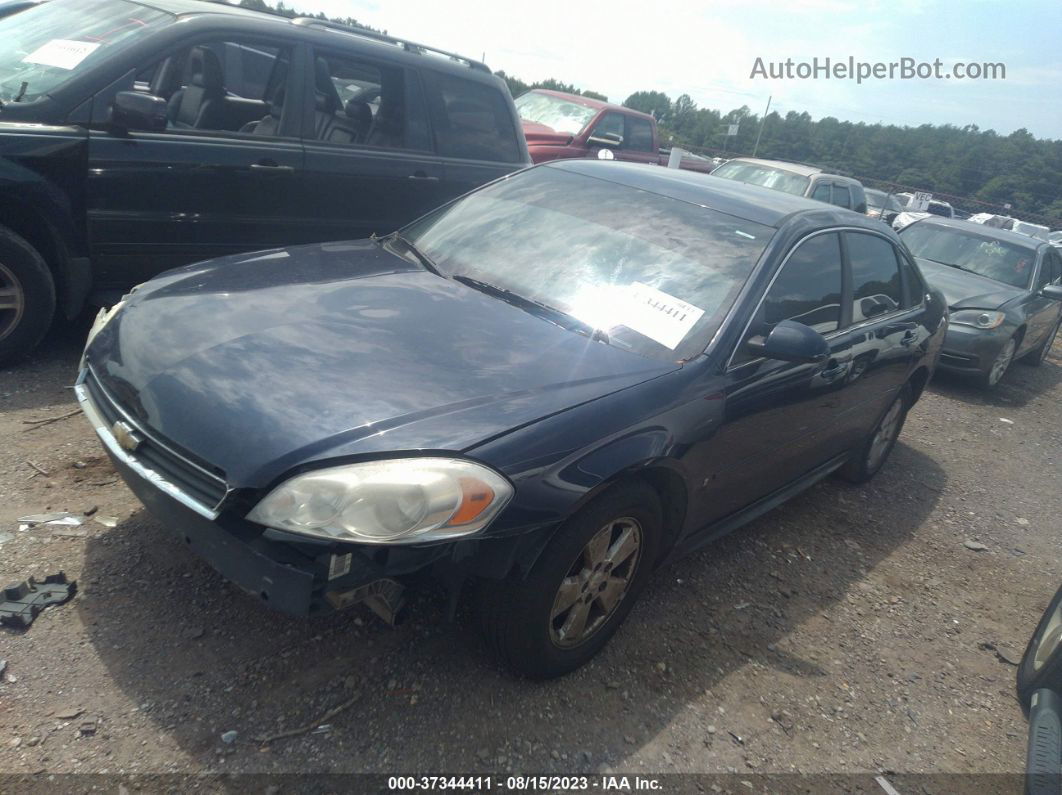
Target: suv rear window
[(470, 120)]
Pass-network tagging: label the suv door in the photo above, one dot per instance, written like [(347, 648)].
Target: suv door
[(369, 165), (218, 180), (474, 130)]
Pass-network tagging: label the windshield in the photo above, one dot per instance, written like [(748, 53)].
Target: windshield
[(768, 177), (876, 200), (48, 44), (656, 274), (970, 251), (560, 115)]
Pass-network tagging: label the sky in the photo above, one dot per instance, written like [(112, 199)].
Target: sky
[(708, 50)]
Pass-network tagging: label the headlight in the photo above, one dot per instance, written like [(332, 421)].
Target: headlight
[(978, 318), (401, 501), (103, 317)]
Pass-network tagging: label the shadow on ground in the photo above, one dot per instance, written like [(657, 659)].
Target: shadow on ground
[(202, 658)]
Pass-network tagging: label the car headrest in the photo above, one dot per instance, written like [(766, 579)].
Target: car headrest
[(358, 112), (276, 104), (327, 97), (206, 68)]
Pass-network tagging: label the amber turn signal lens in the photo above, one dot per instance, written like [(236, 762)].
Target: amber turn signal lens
[(476, 497)]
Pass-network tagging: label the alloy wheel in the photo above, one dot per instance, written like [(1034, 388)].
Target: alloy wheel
[(1002, 362), (596, 582), (12, 301), (888, 430)]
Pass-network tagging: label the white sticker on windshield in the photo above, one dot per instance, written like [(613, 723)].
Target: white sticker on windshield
[(62, 53), (659, 316)]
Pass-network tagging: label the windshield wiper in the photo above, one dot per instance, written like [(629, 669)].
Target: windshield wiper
[(21, 91), (420, 256), (537, 307)]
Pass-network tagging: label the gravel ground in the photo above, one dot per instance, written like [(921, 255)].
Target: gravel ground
[(851, 630)]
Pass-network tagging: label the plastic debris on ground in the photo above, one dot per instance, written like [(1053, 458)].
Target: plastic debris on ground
[(63, 518), (22, 603)]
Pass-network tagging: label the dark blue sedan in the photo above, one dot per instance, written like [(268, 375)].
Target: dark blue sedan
[(549, 387)]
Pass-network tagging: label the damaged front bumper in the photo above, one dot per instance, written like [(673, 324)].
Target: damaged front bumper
[(295, 577)]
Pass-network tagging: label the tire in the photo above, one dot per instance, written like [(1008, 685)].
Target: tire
[(520, 618), (872, 454), (1000, 365), (1037, 356), (27, 296), (1041, 665)]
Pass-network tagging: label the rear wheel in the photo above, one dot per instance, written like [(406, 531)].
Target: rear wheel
[(580, 590), (27, 296), (1037, 356), (1000, 364), (874, 452)]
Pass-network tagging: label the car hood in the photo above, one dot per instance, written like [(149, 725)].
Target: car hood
[(261, 363), (965, 290), (541, 134)]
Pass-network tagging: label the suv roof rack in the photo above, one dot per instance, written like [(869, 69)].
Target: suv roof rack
[(408, 46)]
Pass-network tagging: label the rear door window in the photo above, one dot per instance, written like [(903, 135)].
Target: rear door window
[(470, 120), (876, 285), (364, 102), (821, 192), (639, 135)]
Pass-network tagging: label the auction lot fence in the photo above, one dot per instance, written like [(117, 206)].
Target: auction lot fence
[(964, 205)]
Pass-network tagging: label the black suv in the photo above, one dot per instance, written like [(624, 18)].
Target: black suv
[(135, 137)]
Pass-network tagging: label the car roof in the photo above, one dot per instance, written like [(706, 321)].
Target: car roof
[(750, 202), (590, 102), (796, 168), (1003, 235)]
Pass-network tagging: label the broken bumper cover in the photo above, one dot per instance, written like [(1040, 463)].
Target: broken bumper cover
[(293, 577)]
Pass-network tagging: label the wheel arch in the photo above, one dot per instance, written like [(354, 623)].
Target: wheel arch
[(33, 224)]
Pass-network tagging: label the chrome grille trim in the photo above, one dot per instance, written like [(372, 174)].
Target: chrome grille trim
[(158, 479)]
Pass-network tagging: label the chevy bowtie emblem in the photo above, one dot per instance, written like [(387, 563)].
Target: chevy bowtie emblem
[(123, 434)]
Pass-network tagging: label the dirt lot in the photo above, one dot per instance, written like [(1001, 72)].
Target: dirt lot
[(850, 630)]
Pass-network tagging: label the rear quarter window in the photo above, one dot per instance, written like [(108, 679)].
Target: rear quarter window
[(470, 120)]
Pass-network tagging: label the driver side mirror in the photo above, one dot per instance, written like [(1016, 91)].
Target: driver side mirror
[(1052, 291), (608, 140), (137, 110), (790, 341)]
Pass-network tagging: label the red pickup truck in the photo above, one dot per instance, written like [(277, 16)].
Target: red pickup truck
[(558, 125)]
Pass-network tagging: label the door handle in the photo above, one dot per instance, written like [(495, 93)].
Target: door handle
[(420, 176), (271, 167), (836, 366)]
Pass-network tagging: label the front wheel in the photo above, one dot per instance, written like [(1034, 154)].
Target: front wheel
[(580, 590), (874, 452), (27, 296), (1000, 364)]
